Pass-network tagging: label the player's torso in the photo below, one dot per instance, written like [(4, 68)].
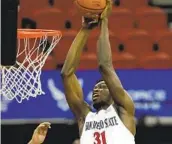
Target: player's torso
[(105, 127)]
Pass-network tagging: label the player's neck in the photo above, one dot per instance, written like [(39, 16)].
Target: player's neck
[(104, 107)]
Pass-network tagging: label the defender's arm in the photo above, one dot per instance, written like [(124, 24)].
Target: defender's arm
[(40, 133), (116, 89), (73, 91)]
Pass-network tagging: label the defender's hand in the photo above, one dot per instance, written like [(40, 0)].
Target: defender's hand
[(90, 23), (107, 10), (40, 133)]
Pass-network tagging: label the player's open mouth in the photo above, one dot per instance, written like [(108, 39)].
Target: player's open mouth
[(95, 96), (94, 99)]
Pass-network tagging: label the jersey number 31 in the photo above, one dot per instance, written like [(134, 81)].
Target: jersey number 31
[(99, 138)]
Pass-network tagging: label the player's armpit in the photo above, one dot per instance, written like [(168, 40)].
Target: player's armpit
[(127, 119), (118, 93), (74, 96)]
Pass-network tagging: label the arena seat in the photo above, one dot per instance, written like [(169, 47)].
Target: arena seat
[(138, 42), (133, 4), (50, 63), (120, 20), (60, 51), (66, 7), (158, 61), (121, 58), (28, 7), (124, 61), (89, 55), (88, 61), (28, 23), (76, 21), (120, 61), (48, 19), (151, 19), (94, 36), (116, 44), (165, 42), (156, 58)]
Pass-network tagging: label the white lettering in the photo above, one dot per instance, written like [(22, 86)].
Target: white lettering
[(147, 106), (148, 95)]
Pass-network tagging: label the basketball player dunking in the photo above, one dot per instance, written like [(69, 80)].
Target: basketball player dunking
[(113, 123)]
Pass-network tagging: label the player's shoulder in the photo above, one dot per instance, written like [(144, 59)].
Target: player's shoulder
[(90, 114), (111, 107)]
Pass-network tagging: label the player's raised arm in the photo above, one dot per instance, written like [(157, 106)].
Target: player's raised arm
[(111, 79), (73, 91)]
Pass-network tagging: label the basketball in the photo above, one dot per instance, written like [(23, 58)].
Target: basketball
[(90, 7)]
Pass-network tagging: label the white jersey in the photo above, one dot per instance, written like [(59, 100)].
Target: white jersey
[(105, 127)]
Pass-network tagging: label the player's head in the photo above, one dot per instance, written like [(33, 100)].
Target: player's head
[(101, 95)]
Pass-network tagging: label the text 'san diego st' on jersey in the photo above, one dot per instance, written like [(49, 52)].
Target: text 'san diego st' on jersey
[(105, 127)]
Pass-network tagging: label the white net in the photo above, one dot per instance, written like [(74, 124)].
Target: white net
[(22, 80)]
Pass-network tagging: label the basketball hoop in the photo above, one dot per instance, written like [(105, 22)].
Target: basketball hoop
[(22, 80)]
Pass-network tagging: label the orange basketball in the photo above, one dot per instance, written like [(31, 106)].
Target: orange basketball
[(90, 7)]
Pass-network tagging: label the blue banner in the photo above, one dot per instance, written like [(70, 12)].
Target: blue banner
[(151, 90)]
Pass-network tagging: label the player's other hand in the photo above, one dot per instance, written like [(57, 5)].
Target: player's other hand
[(90, 23), (107, 10), (40, 133)]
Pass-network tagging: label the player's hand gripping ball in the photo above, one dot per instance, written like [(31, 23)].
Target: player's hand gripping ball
[(40, 133), (90, 23)]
